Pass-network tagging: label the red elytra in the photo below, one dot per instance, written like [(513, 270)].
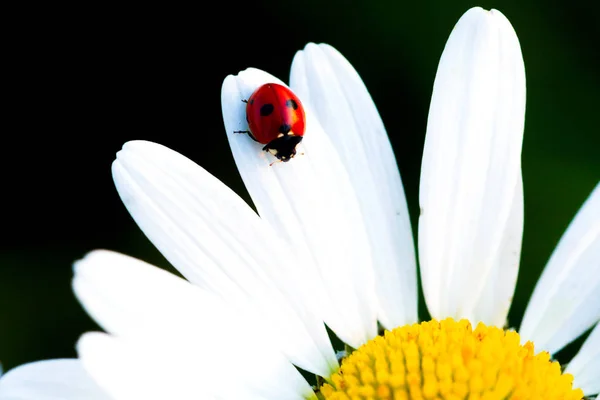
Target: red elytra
[(276, 119)]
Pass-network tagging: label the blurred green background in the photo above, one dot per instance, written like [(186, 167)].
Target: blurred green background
[(90, 77)]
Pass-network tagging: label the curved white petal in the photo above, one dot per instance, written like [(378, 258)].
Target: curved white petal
[(219, 243), (321, 76), (566, 299), (495, 300), (310, 203), (60, 379), (127, 374), (144, 304), (585, 366), (471, 168), (142, 368)]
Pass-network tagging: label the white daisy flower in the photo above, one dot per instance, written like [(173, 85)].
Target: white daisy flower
[(332, 244)]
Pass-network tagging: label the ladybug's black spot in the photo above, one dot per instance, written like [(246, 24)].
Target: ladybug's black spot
[(285, 129), (266, 109), (251, 101), (291, 103)]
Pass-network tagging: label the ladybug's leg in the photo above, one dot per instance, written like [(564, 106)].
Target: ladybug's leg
[(249, 134)]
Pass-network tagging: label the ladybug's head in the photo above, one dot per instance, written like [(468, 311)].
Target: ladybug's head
[(284, 147)]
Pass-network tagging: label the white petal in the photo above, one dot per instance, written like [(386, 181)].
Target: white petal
[(60, 379), (219, 243), (126, 296), (144, 304), (585, 366), (495, 300), (321, 76), (566, 299), (471, 167), (127, 374), (310, 203), (139, 368)]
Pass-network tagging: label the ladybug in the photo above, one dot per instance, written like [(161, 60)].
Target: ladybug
[(276, 119)]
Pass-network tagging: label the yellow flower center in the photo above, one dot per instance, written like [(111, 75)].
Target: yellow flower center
[(451, 361)]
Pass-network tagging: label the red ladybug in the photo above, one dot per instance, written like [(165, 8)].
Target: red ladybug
[(276, 119)]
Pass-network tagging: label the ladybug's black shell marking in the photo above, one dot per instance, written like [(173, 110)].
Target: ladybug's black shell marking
[(292, 104), (266, 109), (285, 129)]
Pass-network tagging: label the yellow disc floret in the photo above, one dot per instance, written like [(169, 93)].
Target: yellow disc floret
[(451, 361)]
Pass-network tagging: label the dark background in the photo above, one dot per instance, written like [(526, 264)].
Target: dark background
[(85, 79)]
